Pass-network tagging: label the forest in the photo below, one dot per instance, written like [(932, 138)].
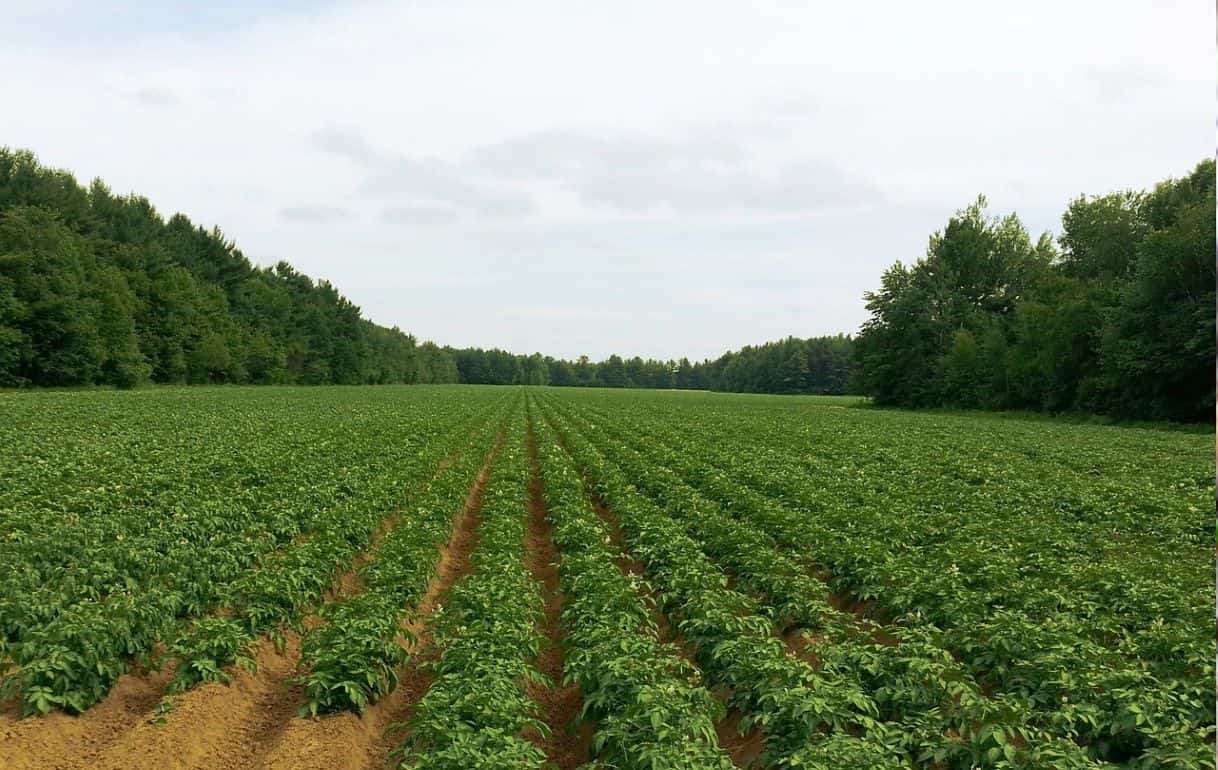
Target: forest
[(793, 365), (98, 288), (1115, 316)]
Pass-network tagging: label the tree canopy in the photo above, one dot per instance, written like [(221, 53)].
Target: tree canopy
[(815, 365), (97, 288), (1117, 317)]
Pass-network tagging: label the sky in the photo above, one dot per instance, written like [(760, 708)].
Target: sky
[(663, 179)]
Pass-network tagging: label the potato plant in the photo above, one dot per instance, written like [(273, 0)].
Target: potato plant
[(1075, 595), (847, 586), (792, 702), (253, 525), (351, 659), (293, 579), (933, 702), (476, 714), (650, 707)]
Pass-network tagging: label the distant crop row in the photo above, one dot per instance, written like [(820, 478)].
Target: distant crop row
[(352, 659), (650, 706)]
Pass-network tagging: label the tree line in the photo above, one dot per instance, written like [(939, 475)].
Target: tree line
[(99, 289), (1115, 317), (793, 365)]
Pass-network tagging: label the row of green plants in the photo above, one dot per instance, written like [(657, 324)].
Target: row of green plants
[(247, 541), (1030, 594), (294, 580), (942, 715), (1135, 688), (352, 658), (809, 718), (477, 712), (117, 510), (649, 706)]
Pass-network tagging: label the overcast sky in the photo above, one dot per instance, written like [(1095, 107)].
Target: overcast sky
[(655, 178)]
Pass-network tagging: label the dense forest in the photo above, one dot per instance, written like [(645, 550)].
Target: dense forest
[(1116, 317), (97, 288), (793, 365)]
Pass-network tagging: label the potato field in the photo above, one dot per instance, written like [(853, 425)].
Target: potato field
[(454, 577)]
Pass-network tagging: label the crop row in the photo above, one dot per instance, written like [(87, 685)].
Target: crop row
[(648, 704), (261, 565), (938, 710), (294, 579), (1113, 697), (1106, 537), (172, 494), (352, 658), (477, 713), (810, 718)]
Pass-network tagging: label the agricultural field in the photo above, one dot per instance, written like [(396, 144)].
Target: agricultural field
[(443, 577)]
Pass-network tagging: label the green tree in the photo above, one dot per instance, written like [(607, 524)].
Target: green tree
[(1159, 346)]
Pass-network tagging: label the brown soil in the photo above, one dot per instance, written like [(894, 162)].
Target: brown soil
[(61, 741), (865, 617), (247, 723), (561, 706), (348, 583), (797, 642), (848, 603), (744, 749), (215, 725)]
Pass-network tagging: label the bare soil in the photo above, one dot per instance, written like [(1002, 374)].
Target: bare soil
[(567, 746), (61, 741)]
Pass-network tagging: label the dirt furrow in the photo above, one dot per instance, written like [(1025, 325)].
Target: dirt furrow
[(234, 725), (214, 725), (58, 740), (567, 747), (743, 749), (348, 742)]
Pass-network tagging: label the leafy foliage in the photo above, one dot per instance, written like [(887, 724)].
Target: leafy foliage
[(99, 289), (352, 658), (476, 712), (133, 524), (1065, 567), (1121, 321), (862, 588), (649, 706)]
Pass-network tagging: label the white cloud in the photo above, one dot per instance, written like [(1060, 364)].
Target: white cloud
[(418, 215), (314, 214), (154, 96)]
